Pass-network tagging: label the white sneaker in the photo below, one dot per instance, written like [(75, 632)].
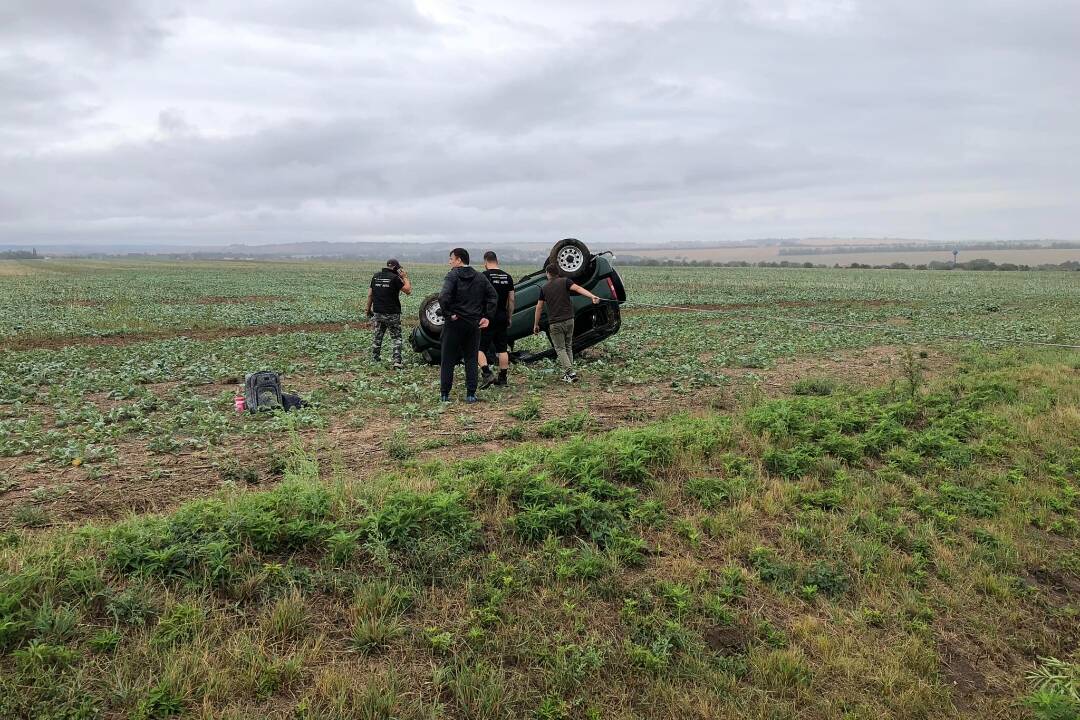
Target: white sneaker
[(569, 378)]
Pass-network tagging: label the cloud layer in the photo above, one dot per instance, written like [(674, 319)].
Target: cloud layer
[(205, 122)]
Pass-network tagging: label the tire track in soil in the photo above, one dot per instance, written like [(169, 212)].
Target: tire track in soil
[(56, 342)]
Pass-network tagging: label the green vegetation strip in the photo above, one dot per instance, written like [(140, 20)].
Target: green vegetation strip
[(904, 552)]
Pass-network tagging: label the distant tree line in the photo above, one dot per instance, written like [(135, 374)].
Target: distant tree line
[(979, 264), (19, 254), (926, 247)]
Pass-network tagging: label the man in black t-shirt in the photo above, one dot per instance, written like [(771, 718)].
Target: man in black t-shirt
[(493, 337), (555, 295), (384, 307)]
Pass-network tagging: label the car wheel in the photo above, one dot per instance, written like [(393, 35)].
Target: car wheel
[(430, 317), (573, 259)]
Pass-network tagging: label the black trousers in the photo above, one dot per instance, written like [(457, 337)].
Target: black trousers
[(460, 340)]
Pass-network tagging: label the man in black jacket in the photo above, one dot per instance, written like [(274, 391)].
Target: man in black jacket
[(468, 302)]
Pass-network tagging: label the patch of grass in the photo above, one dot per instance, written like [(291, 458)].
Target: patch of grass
[(563, 427), (529, 409), (30, 516), (479, 690), (814, 386), (397, 446), (287, 618), (178, 624), (975, 502), (48, 493), (234, 471), (782, 671), (159, 703), (375, 633)]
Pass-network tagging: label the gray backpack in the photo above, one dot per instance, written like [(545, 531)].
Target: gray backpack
[(262, 391)]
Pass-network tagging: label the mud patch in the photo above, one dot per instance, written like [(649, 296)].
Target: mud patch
[(727, 640), (962, 678), (1056, 584)]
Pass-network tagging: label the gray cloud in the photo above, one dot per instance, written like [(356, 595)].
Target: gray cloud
[(614, 122), (108, 26), (328, 16)]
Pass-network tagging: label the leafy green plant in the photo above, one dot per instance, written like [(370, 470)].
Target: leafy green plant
[(397, 445), (160, 702), (529, 409), (440, 641)]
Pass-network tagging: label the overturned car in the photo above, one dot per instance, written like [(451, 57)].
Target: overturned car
[(592, 323)]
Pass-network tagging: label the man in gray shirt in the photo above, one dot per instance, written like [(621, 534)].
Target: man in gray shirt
[(555, 294)]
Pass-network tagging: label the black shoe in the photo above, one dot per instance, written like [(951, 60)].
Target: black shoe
[(470, 399), (489, 380), (444, 398), (502, 382)]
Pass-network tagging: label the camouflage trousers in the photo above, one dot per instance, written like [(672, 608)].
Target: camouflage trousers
[(384, 322)]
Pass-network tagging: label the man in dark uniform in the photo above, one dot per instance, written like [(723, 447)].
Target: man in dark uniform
[(493, 337), (467, 302), (384, 307)]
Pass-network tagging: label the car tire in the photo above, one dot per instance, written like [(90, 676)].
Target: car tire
[(572, 258), (430, 320)]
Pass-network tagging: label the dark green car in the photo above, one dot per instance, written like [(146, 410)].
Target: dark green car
[(592, 323)]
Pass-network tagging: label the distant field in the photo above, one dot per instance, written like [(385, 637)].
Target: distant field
[(757, 254), (13, 268)]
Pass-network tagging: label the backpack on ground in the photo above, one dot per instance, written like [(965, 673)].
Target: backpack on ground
[(262, 391)]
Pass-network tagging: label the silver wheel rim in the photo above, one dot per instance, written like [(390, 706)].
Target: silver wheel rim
[(431, 312), (570, 259)]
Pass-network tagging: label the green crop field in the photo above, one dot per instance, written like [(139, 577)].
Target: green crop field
[(811, 495)]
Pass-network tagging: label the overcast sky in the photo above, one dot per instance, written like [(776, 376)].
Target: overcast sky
[(211, 121)]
